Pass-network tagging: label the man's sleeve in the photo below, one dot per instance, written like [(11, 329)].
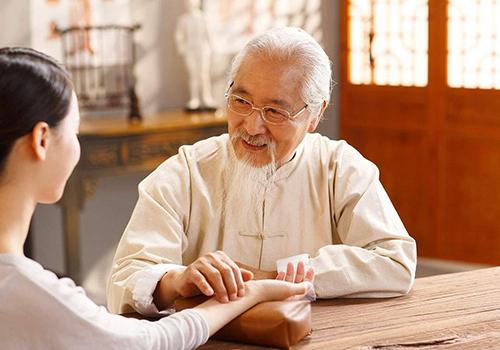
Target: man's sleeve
[(153, 240), (377, 257)]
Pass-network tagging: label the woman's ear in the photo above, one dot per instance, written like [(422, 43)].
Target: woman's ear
[(313, 124), (40, 140)]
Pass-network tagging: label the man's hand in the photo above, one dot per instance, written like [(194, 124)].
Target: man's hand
[(300, 276), (211, 274), (258, 274)]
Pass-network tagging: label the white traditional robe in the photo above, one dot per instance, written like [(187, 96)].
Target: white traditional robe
[(40, 311), (327, 201)]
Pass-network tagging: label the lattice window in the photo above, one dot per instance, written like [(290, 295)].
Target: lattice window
[(474, 44), (388, 42)]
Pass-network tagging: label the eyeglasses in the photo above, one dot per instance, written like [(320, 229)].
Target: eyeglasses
[(271, 115)]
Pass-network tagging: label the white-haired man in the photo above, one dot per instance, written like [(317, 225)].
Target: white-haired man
[(267, 191)]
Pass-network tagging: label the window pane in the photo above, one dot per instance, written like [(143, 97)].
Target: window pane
[(474, 44), (388, 42)]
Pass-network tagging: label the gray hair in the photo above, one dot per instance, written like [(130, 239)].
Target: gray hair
[(293, 43)]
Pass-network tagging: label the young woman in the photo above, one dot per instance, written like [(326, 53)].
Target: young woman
[(39, 148)]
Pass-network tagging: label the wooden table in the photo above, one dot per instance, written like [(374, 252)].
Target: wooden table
[(113, 146), (453, 311)]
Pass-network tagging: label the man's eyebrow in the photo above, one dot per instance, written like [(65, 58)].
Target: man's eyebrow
[(240, 90), (281, 103)]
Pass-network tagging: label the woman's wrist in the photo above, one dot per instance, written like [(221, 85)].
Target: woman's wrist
[(255, 291)]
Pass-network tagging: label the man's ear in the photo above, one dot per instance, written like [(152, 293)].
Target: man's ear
[(313, 124), (40, 140)]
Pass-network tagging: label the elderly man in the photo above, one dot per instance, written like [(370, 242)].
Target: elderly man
[(266, 192)]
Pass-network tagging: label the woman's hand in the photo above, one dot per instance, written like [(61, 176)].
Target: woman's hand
[(256, 291), (301, 276), (284, 286)]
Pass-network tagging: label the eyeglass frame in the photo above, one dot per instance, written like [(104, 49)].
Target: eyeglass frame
[(289, 117)]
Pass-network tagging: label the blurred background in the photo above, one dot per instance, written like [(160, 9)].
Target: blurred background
[(418, 93)]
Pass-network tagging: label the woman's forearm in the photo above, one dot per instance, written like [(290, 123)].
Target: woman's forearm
[(218, 314)]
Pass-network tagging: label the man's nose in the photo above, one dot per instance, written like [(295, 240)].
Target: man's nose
[(254, 123)]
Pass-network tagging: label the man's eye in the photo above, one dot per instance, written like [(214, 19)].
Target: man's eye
[(276, 113), (241, 101)]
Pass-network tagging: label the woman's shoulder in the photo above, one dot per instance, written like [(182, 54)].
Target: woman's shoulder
[(26, 283)]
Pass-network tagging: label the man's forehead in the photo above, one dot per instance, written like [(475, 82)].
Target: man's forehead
[(271, 81)]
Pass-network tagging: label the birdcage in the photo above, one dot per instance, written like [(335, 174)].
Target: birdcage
[(101, 62)]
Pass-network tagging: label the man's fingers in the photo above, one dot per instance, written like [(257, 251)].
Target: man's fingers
[(214, 278), (240, 274), (247, 271), (246, 274), (238, 277), (201, 283), (229, 278), (299, 276), (289, 272)]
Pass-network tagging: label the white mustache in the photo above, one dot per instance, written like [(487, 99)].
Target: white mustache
[(257, 140)]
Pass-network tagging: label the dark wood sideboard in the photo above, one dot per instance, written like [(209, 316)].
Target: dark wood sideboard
[(114, 146)]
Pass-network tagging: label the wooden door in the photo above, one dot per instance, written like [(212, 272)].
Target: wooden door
[(420, 97)]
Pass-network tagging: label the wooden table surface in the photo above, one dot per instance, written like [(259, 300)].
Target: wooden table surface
[(452, 311)]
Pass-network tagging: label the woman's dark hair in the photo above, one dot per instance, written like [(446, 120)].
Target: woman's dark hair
[(33, 88)]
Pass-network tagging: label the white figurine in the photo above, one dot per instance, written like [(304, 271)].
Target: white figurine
[(194, 43)]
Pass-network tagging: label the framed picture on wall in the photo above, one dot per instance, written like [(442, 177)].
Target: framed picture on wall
[(47, 16)]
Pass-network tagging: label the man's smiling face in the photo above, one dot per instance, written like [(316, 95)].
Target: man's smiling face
[(265, 81)]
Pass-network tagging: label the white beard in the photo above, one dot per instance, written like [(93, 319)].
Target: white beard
[(244, 184)]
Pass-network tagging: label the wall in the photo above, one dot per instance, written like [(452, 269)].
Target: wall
[(14, 23), (331, 44), (161, 85)]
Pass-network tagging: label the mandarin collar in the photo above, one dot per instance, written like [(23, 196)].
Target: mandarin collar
[(286, 169)]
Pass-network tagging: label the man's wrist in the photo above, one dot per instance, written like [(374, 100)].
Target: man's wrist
[(166, 291)]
